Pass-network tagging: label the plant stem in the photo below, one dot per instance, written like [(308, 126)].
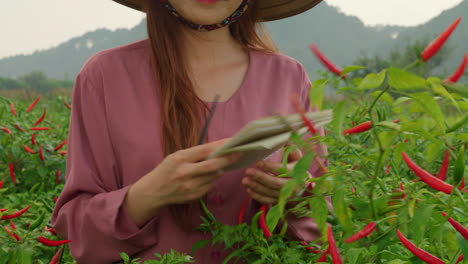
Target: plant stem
[(387, 87), (377, 170), (412, 65), (455, 258)]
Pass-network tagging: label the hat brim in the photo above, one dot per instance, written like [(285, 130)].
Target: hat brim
[(270, 9)]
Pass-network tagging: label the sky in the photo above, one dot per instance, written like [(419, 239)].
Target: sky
[(30, 25)]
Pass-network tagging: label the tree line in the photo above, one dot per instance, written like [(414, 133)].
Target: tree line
[(35, 81)]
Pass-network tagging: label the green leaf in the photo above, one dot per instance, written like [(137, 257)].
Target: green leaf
[(373, 80), (459, 124), (353, 254), (462, 137), (431, 107), (388, 138), (317, 91), (386, 97), (438, 88), (341, 209), (285, 193), (273, 217), (125, 257), (463, 244), (198, 245), (339, 114), (301, 167), (459, 168), (420, 221), (319, 211), (351, 69), (402, 80), (433, 150), (390, 125)]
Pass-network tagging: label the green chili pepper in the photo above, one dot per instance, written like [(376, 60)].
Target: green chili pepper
[(38, 221), (459, 169)]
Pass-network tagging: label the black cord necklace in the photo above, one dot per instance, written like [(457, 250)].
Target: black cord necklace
[(229, 20)]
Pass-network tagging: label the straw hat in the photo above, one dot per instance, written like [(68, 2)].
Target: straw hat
[(271, 9)]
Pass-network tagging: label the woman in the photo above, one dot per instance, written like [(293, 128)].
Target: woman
[(134, 173)]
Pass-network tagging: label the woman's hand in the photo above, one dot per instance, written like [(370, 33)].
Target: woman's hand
[(262, 182), (181, 177)]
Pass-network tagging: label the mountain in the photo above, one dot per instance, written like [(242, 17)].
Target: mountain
[(341, 37)]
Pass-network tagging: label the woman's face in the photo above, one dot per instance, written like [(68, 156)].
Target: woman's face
[(205, 12)]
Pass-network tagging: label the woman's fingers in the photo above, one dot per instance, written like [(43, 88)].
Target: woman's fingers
[(266, 179), (211, 165), (197, 153), (295, 155), (260, 188), (273, 167), (261, 198)]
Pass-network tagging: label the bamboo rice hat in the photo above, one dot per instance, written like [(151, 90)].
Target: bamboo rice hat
[(270, 9)]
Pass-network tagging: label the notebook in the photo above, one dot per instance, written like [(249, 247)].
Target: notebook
[(261, 138)]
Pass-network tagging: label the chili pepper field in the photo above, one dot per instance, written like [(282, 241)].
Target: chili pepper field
[(395, 177)]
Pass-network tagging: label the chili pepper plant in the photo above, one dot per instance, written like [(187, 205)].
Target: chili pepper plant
[(397, 166)]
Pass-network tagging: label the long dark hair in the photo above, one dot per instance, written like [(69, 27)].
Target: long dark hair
[(181, 110)]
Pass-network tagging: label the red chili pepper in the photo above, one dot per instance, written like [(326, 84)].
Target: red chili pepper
[(41, 155), (12, 173), (241, 216), (459, 72), (1, 185), (363, 233), (18, 127), (64, 152), (40, 118), (462, 185), (52, 243), (335, 254), (28, 149), (425, 176), (51, 230), (301, 111), (421, 254), (15, 236), (6, 130), (15, 214), (61, 145), (3, 210), (33, 140), (387, 169), (435, 45), (442, 174), (359, 128), (323, 258), (56, 258), (57, 177), (402, 188), (311, 249), (325, 61), (30, 108), (67, 105), (12, 109), (12, 224), (459, 227), (262, 221), (40, 128), (460, 258)]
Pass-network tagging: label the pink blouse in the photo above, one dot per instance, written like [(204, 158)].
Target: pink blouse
[(114, 139)]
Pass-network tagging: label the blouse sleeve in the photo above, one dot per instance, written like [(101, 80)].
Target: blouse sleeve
[(305, 228), (90, 209)]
